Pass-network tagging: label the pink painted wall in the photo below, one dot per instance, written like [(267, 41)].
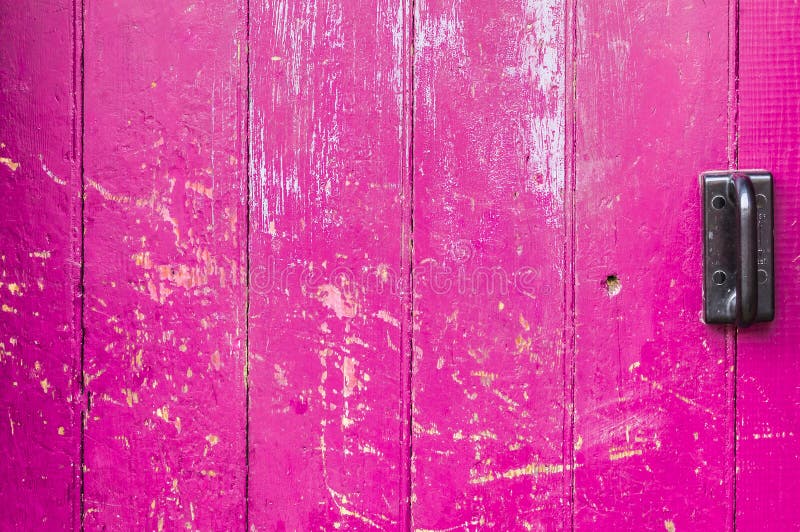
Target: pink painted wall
[(40, 268), (314, 265), (768, 395), (653, 385)]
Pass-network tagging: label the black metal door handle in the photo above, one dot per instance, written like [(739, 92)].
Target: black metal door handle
[(745, 299), (738, 269)]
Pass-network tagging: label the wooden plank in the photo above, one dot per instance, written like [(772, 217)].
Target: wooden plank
[(653, 432), (39, 268), (328, 222), (165, 164), (490, 429), (768, 479)]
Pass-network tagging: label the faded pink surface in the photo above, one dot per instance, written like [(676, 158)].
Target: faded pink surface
[(328, 218), (260, 180), (490, 424), (165, 180), (40, 402), (653, 385)]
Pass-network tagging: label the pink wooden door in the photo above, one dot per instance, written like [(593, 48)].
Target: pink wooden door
[(391, 265)]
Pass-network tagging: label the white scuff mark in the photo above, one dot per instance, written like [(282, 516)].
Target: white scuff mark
[(543, 128), (213, 125), (445, 35), (50, 173)]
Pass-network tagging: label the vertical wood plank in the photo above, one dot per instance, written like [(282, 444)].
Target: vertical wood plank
[(329, 182), (768, 397), (39, 268), (165, 264), (490, 429), (653, 386)]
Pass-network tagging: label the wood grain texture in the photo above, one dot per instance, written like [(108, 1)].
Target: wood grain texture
[(490, 429), (768, 397), (653, 384), (165, 163), (328, 221), (39, 269)]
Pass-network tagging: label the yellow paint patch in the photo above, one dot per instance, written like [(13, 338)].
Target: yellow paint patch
[(185, 276), (142, 259), (486, 377), (14, 289), (669, 526), (619, 455), (60, 431), (131, 397), (215, 360), (45, 385), (351, 382), (344, 305), (9, 309), (8, 162), (212, 439), (163, 413), (280, 376), (527, 470), (200, 188), (388, 318)]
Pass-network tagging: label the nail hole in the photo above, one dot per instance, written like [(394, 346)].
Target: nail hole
[(613, 285), (718, 202), (719, 277)]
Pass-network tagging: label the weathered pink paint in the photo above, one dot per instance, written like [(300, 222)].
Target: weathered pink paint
[(653, 388), (328, 333), (768, 395), (39, 269), (457, 286), (165, 178), (490, 385)]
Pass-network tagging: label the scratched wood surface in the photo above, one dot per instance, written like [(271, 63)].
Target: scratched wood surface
[(39, 269), (653, 412), (165, 163), (327, 293), (490, 429), (545, 155), (768, 423)]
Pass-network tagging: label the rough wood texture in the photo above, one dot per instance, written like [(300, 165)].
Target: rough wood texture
[(328, 222), (653, 433), (544, 321), (490, 430), (165, 264), (39, 269), (768, 397)]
